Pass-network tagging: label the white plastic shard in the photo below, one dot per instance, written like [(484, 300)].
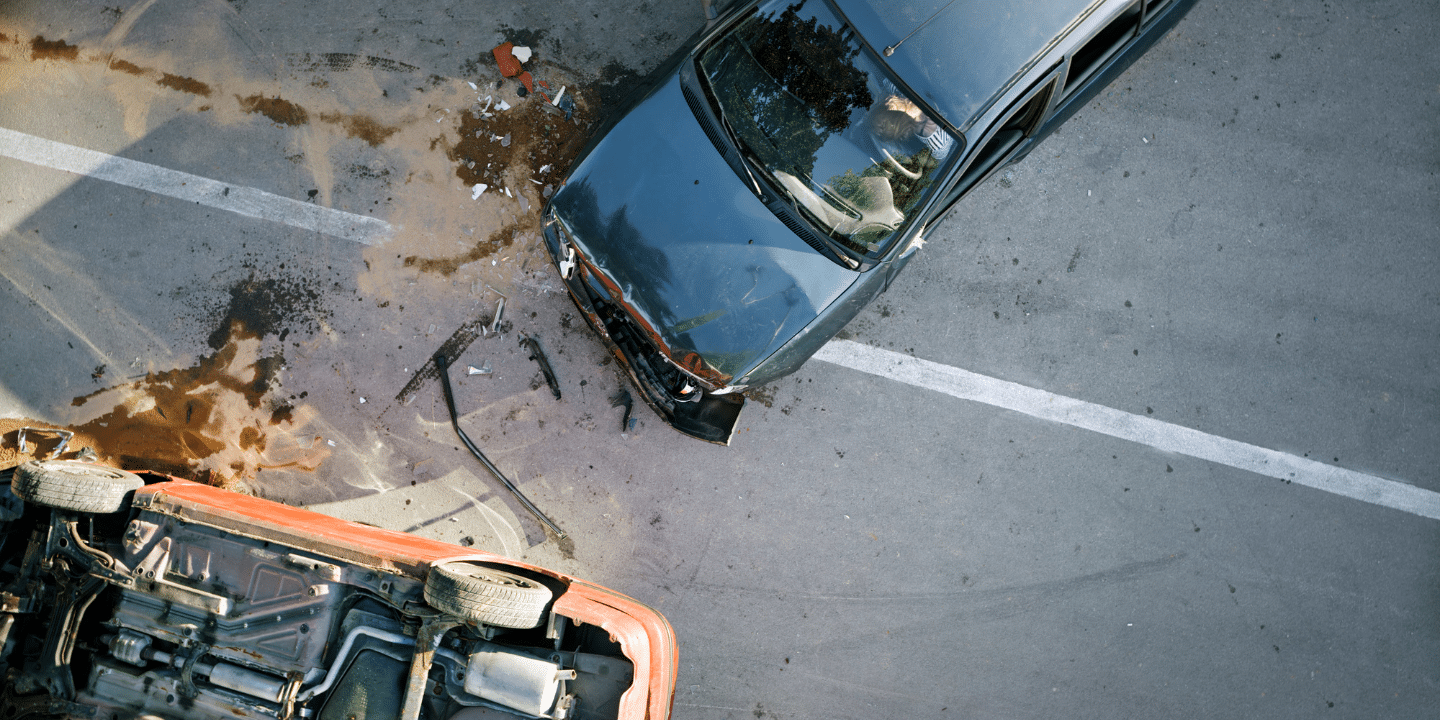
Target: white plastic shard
[(521, 53), (475, 191)]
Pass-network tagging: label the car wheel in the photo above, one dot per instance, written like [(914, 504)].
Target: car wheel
[(485, 595), (71, 485)]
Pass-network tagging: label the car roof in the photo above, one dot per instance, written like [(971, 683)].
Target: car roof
[(970, 51)]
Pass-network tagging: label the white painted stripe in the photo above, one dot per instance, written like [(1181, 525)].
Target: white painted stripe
[(1126, 426), (238, 199)]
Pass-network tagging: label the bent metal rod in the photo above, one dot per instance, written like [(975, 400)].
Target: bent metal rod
[(442, 364)]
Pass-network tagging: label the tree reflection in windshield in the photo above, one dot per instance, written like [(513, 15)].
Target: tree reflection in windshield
[(805, 101)]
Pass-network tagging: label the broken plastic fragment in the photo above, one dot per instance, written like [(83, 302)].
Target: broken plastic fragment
[(502, 105), (473, 86), (505, 141), (499, 313), (475, 191), (521, 53), (484, 369), (505, 59)]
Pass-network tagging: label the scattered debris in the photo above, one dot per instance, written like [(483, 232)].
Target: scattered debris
[(505, 59), (538, 355), (475, 191), (623, 399), (484, 369), (65, 436), (499, 313), (442, 364), (467, 541)]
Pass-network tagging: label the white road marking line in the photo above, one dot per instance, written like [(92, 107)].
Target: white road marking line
[(1126, 426), (238, 199)]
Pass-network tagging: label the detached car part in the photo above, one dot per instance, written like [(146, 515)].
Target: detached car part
[(139, 595), (443, 365)]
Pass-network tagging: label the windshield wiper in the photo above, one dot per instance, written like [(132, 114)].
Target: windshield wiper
[(742, 147)]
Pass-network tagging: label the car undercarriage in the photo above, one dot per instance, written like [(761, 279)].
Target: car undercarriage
[(120, 602)]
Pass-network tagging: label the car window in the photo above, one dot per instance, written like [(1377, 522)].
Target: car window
[(815, 113), (1101, 47), (1023, 118)]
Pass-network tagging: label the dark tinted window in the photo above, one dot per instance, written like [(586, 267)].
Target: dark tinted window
[(1093, 54)]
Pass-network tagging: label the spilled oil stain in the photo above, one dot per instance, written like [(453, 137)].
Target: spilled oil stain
[(765, 395), (126, 66), (184, 84), (42, 49), (361, 127), (225, 418), (277, 109), (446, 266), (212, 422), (525, 147), (269, 306), (537, 139)]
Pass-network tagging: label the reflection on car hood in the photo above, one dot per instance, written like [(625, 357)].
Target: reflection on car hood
[(694, 253)]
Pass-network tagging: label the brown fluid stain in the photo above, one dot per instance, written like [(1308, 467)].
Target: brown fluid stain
[(538, 139), (213, 422), (447, 266), (541, 147), (42, 49), (277, 109), (361, 127), (184, 84), (126, 66), (224, 419), (431, 155)]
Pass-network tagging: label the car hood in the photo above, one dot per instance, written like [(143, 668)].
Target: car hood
[(687, 247)]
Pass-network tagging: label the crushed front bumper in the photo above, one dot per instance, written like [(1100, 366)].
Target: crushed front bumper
[(672, 393)]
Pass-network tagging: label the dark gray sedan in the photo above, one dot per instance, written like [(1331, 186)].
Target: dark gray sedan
[(783, 167)]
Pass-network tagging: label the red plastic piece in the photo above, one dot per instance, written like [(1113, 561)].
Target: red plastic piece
[(509, 66)]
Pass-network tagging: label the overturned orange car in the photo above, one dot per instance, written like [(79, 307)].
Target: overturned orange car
[(137, 594)]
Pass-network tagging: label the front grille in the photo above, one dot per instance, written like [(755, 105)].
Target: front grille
[(663, 380)]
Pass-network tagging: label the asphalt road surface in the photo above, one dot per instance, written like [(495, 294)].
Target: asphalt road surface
[(1150, 429)]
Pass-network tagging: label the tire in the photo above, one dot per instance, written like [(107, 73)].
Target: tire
[(485, 595), (78, 486)]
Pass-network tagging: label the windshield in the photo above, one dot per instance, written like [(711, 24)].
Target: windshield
[(815, 113)]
